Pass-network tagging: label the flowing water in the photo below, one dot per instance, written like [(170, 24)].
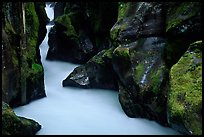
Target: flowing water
[(71, 111)]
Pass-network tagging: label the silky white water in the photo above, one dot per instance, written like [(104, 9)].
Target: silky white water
[(68, 110)]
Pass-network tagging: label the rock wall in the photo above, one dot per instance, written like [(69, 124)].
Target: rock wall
[(147, 40), (23, 30), (22, 72), (82, 31)]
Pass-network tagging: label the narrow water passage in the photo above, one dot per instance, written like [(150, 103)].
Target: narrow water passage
[(68, 110)]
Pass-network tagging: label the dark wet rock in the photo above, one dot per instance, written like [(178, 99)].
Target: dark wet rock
[(22, 73), (147, 40), (183, 26), (96, 73), (43, 21), (82, 31), (59, 9), (66, 45), (142, 76), (185, 92), (15, 125), (139, 19), (52, 4)]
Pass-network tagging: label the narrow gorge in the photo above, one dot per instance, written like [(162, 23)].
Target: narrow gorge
[(88, 68)]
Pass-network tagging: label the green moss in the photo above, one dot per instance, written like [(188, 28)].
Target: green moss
[(32, 22), (32, 26), (156, 80), (122, 9), (9, 28), (185, 97), (115, 31), (14, 58), (108, 53), (37, 68), (139, 72), (184, 11), (196, 46), (65, 21), (97, 59), (122, 52), (14, 125), (12, 34)]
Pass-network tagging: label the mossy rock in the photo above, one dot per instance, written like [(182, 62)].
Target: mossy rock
[(96, 73), (98, 58), (64, 22), (37, 68), (121, 52), (185, 95), (15, 125), (181, 12)]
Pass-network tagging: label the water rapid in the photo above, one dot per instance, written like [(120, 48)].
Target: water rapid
[(71, 111)]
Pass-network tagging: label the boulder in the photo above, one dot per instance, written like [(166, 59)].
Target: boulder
[(142, 77), (16, 125), (185, 92), (138, 19), (183, 26), (96, 73)]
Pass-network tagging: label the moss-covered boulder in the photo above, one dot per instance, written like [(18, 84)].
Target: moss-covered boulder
[(15, 125), (96, 73), (183, 26), (82, 31), (185, 94), (142, 77), (23, 78), (147, 39)]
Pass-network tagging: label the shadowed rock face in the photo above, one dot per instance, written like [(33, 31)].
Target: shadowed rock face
[(82, 31), (22, 72), (142, 77), (148, 38), (183, 26), (140, 19), (15, 125), (58, 9), (96, 73)]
